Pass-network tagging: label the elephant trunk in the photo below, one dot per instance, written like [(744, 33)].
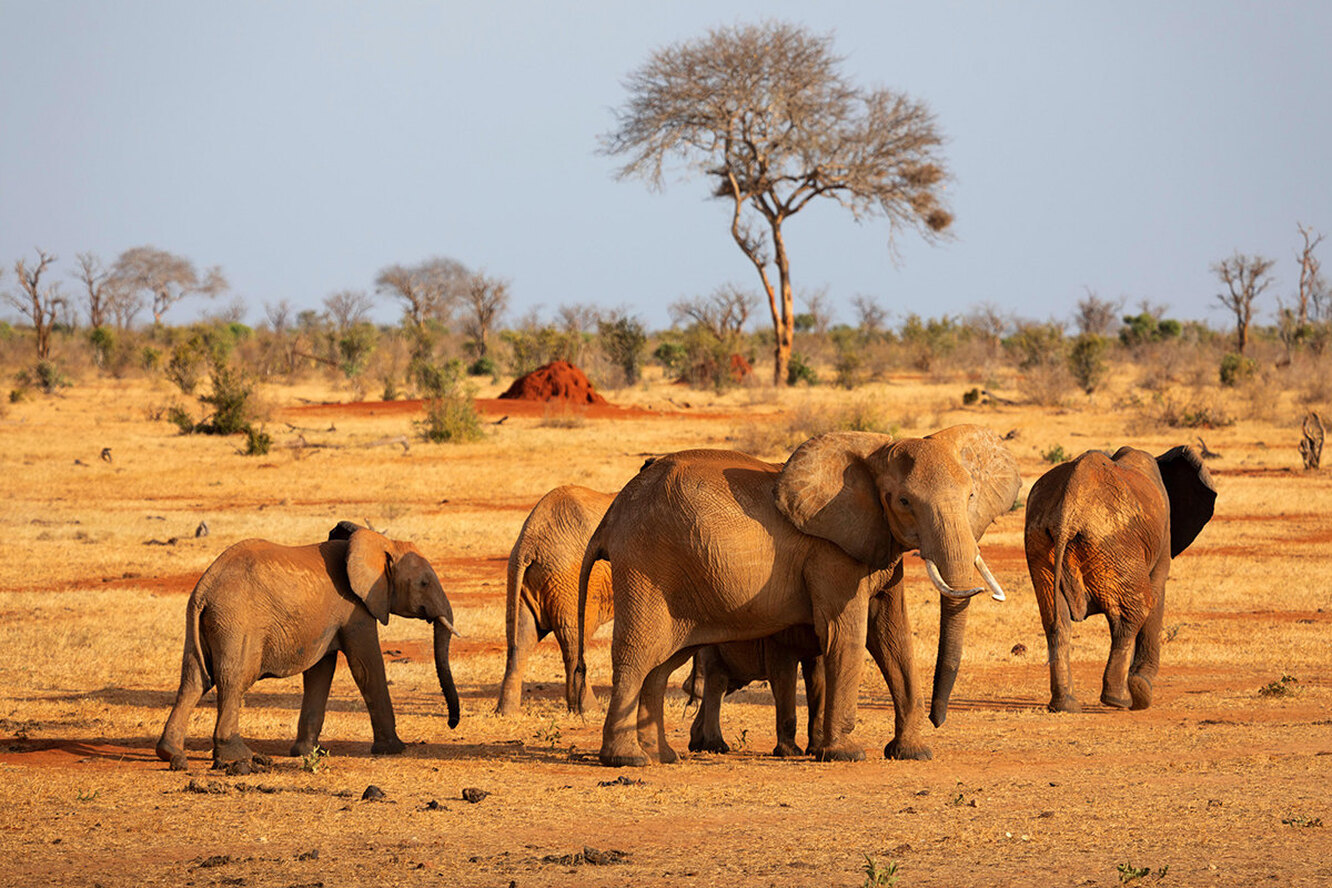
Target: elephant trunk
[(952, 628), (443, 634)]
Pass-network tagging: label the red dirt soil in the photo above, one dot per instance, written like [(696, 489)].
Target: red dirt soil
[(556, 381)]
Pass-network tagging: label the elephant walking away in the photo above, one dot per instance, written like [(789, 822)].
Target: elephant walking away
[(1100, 534), (542, 593), (262, 610), (722, 669), (709, 546)]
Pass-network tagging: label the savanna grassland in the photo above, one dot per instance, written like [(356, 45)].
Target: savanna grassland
[(1224, 781)]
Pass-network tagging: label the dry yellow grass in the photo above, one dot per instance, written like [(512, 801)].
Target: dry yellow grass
[(91, 630)]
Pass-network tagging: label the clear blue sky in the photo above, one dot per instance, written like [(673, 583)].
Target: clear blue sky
[(1122, 147)]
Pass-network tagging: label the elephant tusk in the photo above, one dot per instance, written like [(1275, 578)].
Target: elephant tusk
[(944, 588), (996, 591), (449, 626)]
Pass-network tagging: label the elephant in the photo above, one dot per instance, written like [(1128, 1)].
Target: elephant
[(1100, 534), (712, 546), (263, 610), (542, 592), (724, 668)]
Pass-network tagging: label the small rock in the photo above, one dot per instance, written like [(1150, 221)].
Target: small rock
[(434, 805), (1019, 650), (215, 860), (603, 858), (474, 795), (373, 794), (201, 530), (622, 780), (312, 854)]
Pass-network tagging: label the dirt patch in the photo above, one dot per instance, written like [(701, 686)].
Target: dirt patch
[(556, 381)]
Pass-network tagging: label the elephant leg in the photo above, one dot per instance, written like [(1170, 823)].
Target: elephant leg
[(781, 665), (314, 702), (705, 734), (1114, 684), (193, 685), (1057, 632), (619, 742), (1146, 656), (889, 642), (522, 640), (228, 747), (367, 668), (843, 641), (652, 709), (812, 669)]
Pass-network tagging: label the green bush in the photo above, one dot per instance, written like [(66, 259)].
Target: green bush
[(1056, 454), (230, 400), (1087, 361), (150, 358), (798, 371), (1236, 369), (622, 340), (355, 346), (181, 419), (45, 375), (103, 342), (483, 366), (451, 416), (257, 441)]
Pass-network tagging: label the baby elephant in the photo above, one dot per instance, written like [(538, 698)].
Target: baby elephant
[(262, 610), (725, 668), (1100, 534)]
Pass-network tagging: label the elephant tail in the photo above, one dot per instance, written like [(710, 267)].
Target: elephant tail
[(519, 560), (596, 551), (1067, 578), (194, 640)]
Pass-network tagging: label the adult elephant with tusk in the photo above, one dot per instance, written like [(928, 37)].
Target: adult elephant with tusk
[(707, 547), (262, 610)]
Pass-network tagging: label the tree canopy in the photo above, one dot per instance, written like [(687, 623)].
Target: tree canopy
[(766, 114)]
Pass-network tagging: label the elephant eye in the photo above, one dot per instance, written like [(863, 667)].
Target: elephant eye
[(906, 504)]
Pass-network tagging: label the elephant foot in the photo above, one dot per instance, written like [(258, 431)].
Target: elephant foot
[(667, 756), (898, 749), (1140, 689), (622, 761), (841, 752), (787, 749), (167, 752), (1064, 704), (702, 744), (389, 746), (1116, 701), (506, 708), (178, 763), (302, 748)]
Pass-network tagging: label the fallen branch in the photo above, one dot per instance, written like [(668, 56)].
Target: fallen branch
[(296, 428)]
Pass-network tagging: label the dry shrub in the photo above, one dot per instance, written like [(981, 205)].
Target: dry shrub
[(1046, 385), (807, 420), (1201, 411)]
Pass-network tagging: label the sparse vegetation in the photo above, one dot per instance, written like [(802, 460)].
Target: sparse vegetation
[(877, 876)]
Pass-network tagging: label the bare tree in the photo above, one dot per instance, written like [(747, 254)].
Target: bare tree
[(40, 305), (429, 289), (766, 114), (1312, 286), (871, 317), (278, 315), (486, 299), (577, 317), (164, 277), (1245, 277), (101, 289), (346, 308), (723, 312), (1096, 316)]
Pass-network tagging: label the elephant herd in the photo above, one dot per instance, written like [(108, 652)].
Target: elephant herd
[(756, 570)]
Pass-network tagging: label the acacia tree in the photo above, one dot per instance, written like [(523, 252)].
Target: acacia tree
[(165, 277), (40, 305), (1312, 285), (765, 113), (1245, 277)]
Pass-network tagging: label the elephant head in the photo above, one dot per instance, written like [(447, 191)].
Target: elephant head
[(877, 498), (392, 577)]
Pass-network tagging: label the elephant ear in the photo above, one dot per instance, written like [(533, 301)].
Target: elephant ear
[(368, 565), (1192, 495), (993, 470), (827, 490)]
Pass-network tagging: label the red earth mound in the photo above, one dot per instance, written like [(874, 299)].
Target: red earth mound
[(556, 381)]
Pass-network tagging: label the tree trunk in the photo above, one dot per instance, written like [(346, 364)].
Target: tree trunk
[(783, 325)]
